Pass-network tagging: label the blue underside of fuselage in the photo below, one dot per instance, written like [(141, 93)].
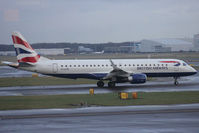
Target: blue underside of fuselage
[(99, 76)]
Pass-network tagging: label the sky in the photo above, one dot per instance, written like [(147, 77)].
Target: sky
[(98, 21)]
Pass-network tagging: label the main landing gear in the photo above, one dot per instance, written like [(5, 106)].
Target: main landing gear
[(100, 83), (111, 84), (176, 81)]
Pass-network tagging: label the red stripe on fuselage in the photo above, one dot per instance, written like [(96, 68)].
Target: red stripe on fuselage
[(30, 59), (17, 40), (169, 61)]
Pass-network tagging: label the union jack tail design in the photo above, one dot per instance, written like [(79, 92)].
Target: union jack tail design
[(25, 53)]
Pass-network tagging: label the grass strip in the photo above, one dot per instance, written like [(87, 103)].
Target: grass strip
[(40, 81), (109, 99), (35, 81)]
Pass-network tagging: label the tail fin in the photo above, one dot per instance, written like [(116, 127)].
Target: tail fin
[(25, 53)]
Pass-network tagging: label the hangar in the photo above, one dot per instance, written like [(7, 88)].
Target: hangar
[(166, 45)]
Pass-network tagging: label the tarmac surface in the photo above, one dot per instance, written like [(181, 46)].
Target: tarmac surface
[(142, 119)]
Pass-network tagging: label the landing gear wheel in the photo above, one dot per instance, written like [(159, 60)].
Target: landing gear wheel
[(111, 84), (100, 83), (176, 81)]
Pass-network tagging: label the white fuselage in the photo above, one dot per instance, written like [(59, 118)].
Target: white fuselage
[(150, 67)]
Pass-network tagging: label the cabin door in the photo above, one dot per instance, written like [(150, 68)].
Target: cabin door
[(55, 68)]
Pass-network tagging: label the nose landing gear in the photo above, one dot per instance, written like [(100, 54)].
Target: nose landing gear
[(176, 81)]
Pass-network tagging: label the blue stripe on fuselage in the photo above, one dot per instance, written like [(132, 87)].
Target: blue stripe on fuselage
[(99, 76), (85, 75), (173, 74)]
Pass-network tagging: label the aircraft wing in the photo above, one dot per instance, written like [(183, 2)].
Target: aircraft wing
[(116, 73)]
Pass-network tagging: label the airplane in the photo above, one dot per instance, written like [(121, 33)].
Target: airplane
[(134, 71)]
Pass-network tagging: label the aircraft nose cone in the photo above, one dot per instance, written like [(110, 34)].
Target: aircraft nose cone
[(194, 71)]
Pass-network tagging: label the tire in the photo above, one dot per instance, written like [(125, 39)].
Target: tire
[(111, 84), (100, 84), (176, 83)]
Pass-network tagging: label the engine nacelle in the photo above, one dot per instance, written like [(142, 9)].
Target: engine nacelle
[(137, 78)]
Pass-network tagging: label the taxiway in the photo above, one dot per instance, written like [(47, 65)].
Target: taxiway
[(143, 119)]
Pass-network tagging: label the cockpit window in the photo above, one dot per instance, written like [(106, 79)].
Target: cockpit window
[(184, 64)]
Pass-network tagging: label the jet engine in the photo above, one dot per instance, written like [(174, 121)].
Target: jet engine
[(137, 78)]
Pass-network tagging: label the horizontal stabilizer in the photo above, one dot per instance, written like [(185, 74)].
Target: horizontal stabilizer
[(11, 64), (16, 65)]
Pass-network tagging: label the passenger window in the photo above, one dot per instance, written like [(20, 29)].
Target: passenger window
[(145, 64), (65, 65), (153, 64), (74, 65), (162, 64)]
